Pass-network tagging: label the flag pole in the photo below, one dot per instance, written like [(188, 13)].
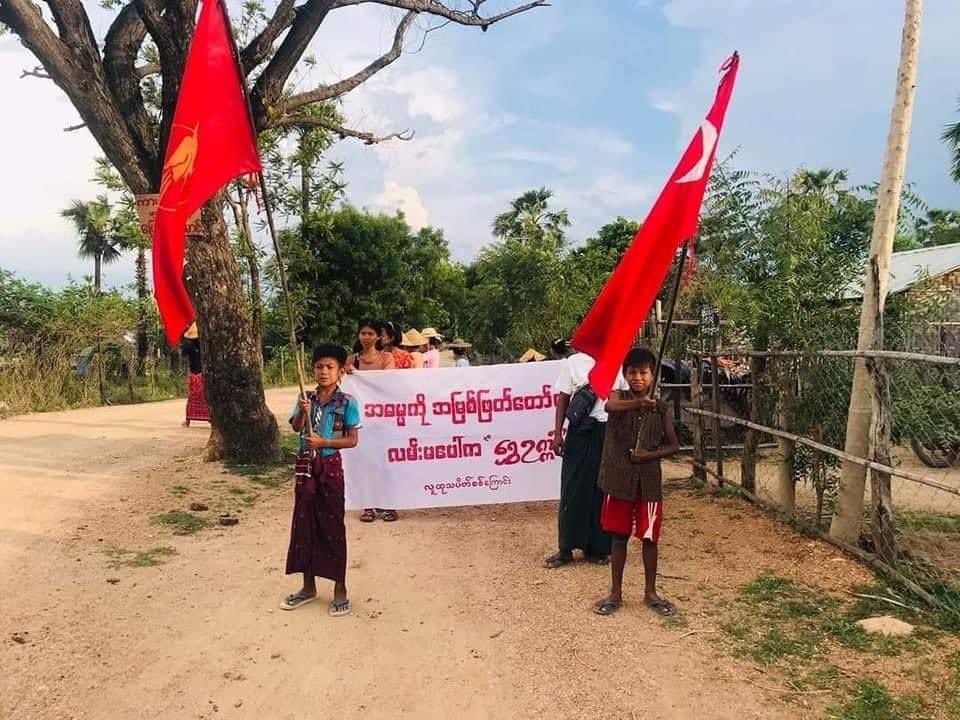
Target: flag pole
[(281, 270), (668, 326)]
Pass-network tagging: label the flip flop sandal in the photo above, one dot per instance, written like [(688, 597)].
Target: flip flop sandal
[(555, 561), (606, 607), (292, 602), (339, 608), (390, 516), (368, 516), (663, 608)]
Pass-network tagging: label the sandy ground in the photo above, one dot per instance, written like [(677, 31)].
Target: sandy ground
[(454, 615)]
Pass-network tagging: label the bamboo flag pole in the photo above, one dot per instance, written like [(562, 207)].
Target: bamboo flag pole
[(268, 209), (668, 326)]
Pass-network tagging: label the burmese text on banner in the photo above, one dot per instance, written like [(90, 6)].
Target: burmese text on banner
[(454, 436)]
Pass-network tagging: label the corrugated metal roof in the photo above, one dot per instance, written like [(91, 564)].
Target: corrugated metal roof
[(910, 266)]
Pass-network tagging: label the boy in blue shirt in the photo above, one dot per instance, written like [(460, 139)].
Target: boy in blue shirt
[(318, 537)]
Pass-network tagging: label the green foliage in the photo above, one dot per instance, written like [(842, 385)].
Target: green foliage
[(951, 136), (874, 702), (347, 264), (183, 523)]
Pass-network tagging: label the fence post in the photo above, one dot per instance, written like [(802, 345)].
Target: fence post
[(717, 440), (748, 462), (787, 490), (881, 499), (696, 399)]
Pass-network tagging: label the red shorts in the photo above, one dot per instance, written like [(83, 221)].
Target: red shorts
[(617, 517)]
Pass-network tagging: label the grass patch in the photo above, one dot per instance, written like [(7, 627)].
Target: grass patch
[(873, 701), (139, 558), (274, 474), (183, 523), (179, 490), (766, 588), (776, 645), (929, 521)]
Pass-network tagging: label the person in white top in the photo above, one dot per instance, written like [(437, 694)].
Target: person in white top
[(431, 358), (578, 519)]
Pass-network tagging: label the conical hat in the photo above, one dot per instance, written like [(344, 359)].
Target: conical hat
[(413, 338), (532, 355)]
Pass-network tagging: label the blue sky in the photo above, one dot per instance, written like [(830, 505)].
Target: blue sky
[(591, 98)]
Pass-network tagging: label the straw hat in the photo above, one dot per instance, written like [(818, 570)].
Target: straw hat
[(192, 333), (532, 355), (430, 332), (412, 338), (459, 343)]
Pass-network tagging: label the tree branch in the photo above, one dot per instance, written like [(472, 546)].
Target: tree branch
[(120, 49), (367, 138), (328, 92), (259, 49), (269, 86), (461, 17), (37, 72)]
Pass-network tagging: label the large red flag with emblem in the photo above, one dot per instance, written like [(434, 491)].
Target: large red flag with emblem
[(211, 142), (618, 312)]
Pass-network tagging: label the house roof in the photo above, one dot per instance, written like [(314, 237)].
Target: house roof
[(909, 267)]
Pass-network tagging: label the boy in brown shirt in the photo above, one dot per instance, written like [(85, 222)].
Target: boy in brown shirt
[(631, 479)]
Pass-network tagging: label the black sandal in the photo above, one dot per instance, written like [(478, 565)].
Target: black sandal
[(607, 607), (663, 608), (558, 560)]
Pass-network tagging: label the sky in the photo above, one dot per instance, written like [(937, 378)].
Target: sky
[(594, 99)]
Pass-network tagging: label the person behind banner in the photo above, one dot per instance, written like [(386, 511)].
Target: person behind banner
[(196, 398), (318, 535), (460, 348), (578, 519), (640, 434), (431, 358), (370, 355), (390, 339)]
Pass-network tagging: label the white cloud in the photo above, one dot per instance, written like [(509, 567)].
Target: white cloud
[(559, 162), (431, 92), (405, 198)]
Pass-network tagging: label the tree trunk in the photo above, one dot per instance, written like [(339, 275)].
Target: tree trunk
[(849, 513), (143, 343), (699, 430), (305, 182), (882, 526), (244, 429), (97, 264), (786, 481), (748, 462)]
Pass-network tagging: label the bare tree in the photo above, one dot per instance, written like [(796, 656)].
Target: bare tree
[(106, 83)]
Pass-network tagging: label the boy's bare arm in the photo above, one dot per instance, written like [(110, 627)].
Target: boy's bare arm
[(617, 404), (297, 421), (563, 402)]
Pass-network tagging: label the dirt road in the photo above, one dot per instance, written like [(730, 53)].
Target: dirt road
[(453, 614)]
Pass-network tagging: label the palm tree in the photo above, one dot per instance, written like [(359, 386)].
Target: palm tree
[(825, 182), (951, 136), (94, 225), (530, 218)]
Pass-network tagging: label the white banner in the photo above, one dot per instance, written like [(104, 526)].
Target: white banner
[(453, 436)]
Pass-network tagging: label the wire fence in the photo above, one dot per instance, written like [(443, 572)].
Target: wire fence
[(772, 425)]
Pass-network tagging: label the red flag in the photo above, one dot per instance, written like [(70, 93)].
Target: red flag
[(211, 142), (612, 323)]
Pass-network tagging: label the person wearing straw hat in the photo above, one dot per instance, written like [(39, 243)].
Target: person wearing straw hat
[(414, 343), (196, 399), (460, 347), (431, 358)]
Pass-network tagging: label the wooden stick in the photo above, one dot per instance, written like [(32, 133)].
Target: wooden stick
[(799, 439), (885, 354), (884, 599), (666, 334)]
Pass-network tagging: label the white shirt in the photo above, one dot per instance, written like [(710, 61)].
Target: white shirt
[(575, 374)]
